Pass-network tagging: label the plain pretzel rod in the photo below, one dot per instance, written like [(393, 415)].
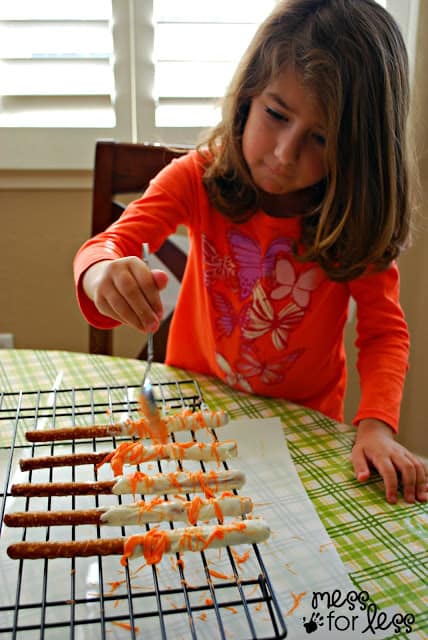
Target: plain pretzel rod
[(157, 510), (135, 453), (151, 545), (210, 482), (187, 420)]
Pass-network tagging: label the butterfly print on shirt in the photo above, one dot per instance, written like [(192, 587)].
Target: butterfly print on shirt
[(262, 318), (227, 318), (216, 266), (299, 286), (231, 377), (251, 364), (251, 264)]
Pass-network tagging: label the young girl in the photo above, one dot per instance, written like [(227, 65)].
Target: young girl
[(296, 201)]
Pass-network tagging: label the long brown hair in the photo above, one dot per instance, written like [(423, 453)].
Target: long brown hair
[(352, 56)]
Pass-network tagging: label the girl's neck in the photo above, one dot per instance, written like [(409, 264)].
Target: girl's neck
[(290, 205)]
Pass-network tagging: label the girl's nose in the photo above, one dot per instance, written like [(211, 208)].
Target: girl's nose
[(288, 147)]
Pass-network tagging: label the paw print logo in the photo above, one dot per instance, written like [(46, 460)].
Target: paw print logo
[(315, 621)]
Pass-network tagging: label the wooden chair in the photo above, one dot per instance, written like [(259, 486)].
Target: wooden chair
[(127, 168)]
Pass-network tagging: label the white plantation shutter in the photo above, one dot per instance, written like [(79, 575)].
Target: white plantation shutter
[(57, 82), (196, 48), (56, 63), (186, 52), (132, 70)]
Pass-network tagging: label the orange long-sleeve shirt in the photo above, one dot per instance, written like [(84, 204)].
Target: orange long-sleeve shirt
[(252, 315)]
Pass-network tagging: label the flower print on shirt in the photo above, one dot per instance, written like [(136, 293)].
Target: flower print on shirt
[(298, 286), (217, 267), (252, 363), (251, 265), (262, 318)]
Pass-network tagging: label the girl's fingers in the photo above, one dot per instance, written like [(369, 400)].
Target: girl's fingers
[(130, 292), (390, 479), (120, 310), (404, 463), (148, 290), (359, 462), (420, 489), (421, 481)]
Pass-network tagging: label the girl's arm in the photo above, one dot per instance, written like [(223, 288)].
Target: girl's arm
[(383, 344), (375, 445), (112, 283)]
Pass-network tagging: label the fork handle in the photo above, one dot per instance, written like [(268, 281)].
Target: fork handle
[(145, 256)]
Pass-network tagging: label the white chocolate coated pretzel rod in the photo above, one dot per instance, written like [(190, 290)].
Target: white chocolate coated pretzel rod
[(135, 453), (156, 510), (151, 545), (209, 482), (187, 420), (138, 483)]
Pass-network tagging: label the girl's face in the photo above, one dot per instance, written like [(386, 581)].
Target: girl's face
[(283, 141)]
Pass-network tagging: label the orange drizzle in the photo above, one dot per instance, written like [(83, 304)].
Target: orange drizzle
[(126, 625), (195, 505), (154, 543), (193, 508), (156, 428), (212, 475), (240, 559), (297, 601), (218, 511), (144, 507), (139, 476), (187, 538), (208, 602), (136, 452), (232, 609), (217, 574), (114, 585), (106, 459), (202, 616)]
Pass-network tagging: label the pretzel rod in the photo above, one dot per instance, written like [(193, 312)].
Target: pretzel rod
[(138, 483), (157, 510), (46, 489), (52, 518), (74, 433), (185, 421), (135, 453), (67, 460), (151, 545)]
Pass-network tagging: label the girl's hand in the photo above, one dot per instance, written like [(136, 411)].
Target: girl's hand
[(375, 445), (126, 290)]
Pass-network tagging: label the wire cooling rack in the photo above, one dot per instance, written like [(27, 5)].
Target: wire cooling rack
[(212, 594)]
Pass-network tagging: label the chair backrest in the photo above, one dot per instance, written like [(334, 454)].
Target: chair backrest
[(127, 168)]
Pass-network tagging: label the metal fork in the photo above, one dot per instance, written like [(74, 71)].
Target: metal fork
[(146, 385)]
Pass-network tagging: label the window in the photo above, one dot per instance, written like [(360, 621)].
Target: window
[(146, 70)]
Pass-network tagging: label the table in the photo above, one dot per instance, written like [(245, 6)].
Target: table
[(383, 547)]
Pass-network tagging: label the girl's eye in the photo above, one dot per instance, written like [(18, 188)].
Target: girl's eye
[(274, 114), (319, 139)]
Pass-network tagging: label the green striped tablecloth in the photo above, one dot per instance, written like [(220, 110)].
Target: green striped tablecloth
[(383, 547)]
